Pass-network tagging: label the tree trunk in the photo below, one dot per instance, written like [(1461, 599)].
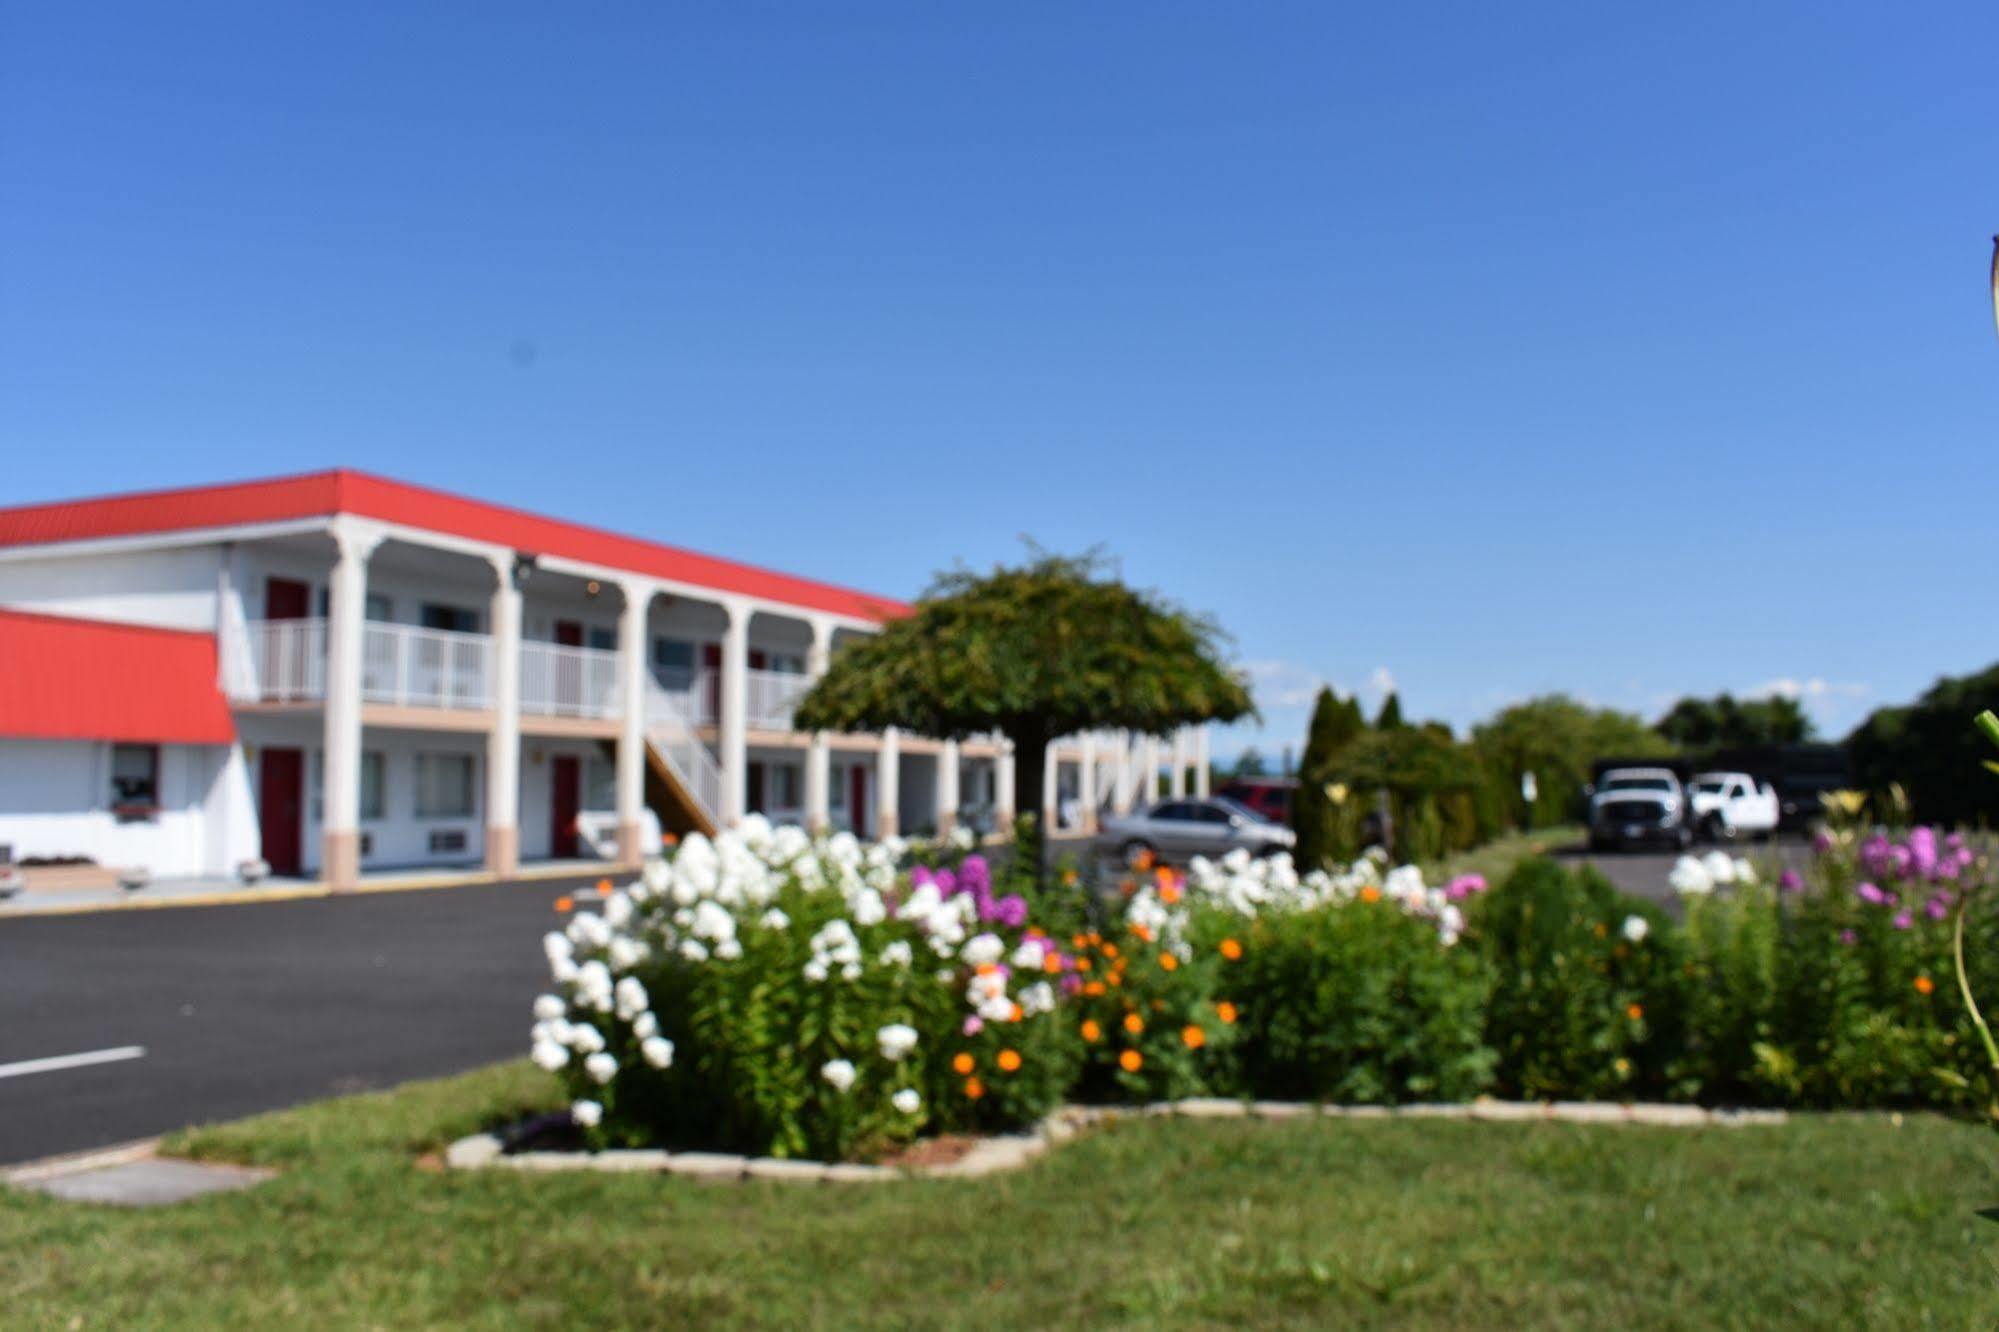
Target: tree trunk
[(1030, 765)]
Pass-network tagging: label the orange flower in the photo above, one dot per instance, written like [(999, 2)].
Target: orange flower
[(1169, 893), (1093, 988), (1193, 1037), (964, 1063), (1226, 1012), (1013, 1014), (1143, 861), (1051, 963), (1131, 1061), (1069, 878), (565, 903), (1091, 1031), (1110, 950), (1079, 941), (1009, 1061), (1133, 1023), (1370, 894), (1924, 985), (1634, 1012), (1231, 949), (1082, 964), (1115, 978), (669, 839), (986, 968), (1143, 931), (1168, 962), (974, 1089), (603, 885)]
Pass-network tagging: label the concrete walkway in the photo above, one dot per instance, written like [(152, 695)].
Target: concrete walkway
[(222, 891)]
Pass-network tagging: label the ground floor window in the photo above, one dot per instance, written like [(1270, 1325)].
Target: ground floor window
[(135, 778), (600, 784), (836, 795), (374, 786), (786, 782), (444, 786)]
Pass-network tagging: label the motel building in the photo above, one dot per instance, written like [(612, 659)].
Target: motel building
[(336, 675)]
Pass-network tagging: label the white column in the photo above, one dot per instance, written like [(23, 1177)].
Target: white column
[(735, 705), (1086, 787), (1003, 789), (1051, 802), (818, 758), (340, 771), (1176, 784), (631, 770), (1148, 790), (947, 788), (1201, 761), (888, 783), (503, 741), (1127, 778)]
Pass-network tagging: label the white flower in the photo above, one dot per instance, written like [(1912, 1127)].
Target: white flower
[(644, 1025), (839, 1072), (1690, 878), (963, 839), (984, 948), (632, 998), (898, 954), (1037, 998), (869, 908), (815, 971), (618, 910), (1030, 955), (1719, 866), (1636, 928), (557, 946), (548, 1008), (728, 950), (549, 1056), (1744, 871), (586, 1114), (589, 929), (774, 919), (601, 1067), (907, 1101), (585, 1038), (712, 921), (896, 1040), (852, 971), (625, 953), (694, 950), (657, 1051), (656, 875)]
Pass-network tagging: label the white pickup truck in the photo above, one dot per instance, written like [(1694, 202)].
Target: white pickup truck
[(1729, 805)]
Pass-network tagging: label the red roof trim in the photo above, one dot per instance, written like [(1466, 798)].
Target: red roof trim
[(63, 678), (322, 494)]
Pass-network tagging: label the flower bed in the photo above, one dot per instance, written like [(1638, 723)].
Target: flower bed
[(766, 995)]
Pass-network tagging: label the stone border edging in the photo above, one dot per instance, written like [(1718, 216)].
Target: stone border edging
[(1010, 1151)]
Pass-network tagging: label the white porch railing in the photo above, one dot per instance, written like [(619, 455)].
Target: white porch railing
[(771, 697), (287, 660), (561, 681), (408, 666), (688, 690), (671, 733)]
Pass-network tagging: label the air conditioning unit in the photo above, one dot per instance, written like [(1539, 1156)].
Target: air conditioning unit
[(446, 841)]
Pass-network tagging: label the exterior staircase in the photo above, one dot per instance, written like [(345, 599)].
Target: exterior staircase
[(683, 781)]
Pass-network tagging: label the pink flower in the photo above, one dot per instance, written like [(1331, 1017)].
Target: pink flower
[(974, 1025), (1848, 937), (1937, 907), (1790, 881), (1903, 920), (1871, 894)]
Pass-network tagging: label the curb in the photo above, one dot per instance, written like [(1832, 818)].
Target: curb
[(482, 1151), (302, 892)]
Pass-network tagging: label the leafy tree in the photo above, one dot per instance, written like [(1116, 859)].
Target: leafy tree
[(1928, 749), (1036, 652), (1557, 739), (1250, 763), (1391, 713), (1725, 722), (1431, 780), (1336, 723)]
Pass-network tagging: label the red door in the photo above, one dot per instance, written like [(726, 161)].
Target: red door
[(285, 599), (280, 802), (711, 663), (567, 776), (569, 633), (857, 798), (755, 800)]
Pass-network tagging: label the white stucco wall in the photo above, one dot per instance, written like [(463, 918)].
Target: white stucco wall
[(55, 800), (173, 588)]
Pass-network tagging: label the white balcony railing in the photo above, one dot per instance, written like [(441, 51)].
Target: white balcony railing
[(560, 681), (407, 666), (287, 660), (772, 696), (670, 731), (690, 692)]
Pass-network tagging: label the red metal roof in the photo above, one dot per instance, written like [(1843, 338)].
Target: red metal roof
[(71, 679), (322, 494)]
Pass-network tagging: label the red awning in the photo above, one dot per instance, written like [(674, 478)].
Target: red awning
[(71, 679)]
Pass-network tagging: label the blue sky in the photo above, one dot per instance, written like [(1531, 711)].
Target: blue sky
[(1491, 350)]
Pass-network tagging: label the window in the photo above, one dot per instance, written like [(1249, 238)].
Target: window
[(456, 619), (673, 662), (135, 777), (600, 784), (604, 640), (836, 781), (380, 609), (787, 663), (443, 786), (785, 779), (374, 784)]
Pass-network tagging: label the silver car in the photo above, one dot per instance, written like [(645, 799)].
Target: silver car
[(1210, 826)]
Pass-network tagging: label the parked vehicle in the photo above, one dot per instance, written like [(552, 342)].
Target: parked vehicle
[(1634, 806), (1728, 805), (1178, 829), (1270, 797)]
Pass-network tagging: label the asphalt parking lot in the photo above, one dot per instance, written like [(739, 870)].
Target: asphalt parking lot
[(243, 1008), (1643, 873)]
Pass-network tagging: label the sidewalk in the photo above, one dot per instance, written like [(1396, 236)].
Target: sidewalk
[(219, 891)]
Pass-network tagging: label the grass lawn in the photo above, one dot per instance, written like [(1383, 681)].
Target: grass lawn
[(1837, 1223), (1496, 859)]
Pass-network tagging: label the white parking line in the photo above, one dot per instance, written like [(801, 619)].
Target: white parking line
[(56, 1062)]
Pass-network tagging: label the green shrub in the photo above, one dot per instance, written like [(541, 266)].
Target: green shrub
[(1589, 991), (1360, 1003)]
